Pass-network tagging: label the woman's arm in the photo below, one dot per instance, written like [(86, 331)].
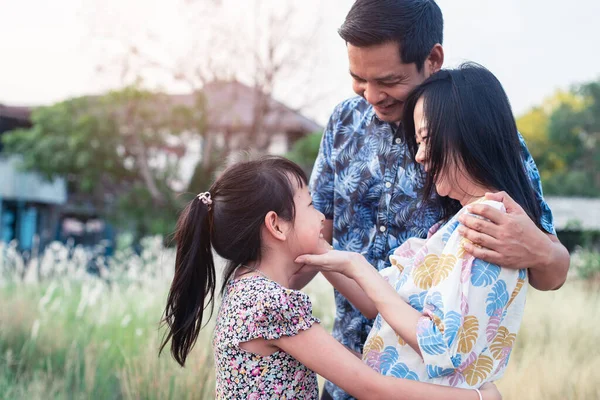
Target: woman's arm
[(401, 317), (353, 292), (320, 352)]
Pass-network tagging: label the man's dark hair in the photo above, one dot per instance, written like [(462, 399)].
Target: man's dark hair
[(416, 25)]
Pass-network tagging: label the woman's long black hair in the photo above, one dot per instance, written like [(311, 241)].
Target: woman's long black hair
[(470, 125)]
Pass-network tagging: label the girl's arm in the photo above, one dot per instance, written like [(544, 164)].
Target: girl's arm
[(320, 352)]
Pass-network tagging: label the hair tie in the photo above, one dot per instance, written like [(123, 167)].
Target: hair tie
[(205, 198)]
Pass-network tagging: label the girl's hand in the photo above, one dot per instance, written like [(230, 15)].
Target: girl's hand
[(489, 391), (342, 262)]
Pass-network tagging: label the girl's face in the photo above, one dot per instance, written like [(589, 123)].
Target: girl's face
[(307, 234), (452, 181)]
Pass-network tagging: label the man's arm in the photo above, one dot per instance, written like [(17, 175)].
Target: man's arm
[(512, 240)]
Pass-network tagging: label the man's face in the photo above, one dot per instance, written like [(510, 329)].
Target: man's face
[(379, 76)]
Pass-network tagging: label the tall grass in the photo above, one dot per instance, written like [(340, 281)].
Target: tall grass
[(67, 334)]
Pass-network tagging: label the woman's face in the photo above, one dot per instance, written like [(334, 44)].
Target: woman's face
[(452, 181)]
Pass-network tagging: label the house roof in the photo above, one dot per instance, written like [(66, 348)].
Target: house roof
[(20, 113), (575, 213), (230, 106)]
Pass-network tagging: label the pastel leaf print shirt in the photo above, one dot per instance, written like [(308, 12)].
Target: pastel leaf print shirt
[(471, 310)]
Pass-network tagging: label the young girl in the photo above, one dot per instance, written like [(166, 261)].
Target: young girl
[(267, 345), (444, 316)]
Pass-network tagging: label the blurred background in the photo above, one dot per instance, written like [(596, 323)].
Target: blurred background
[(113, 114)]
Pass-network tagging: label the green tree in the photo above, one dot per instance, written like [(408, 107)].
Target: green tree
[(119, 152), (563, 137), (305, 151)]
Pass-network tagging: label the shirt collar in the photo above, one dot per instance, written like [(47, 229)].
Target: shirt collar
[(371, 116)]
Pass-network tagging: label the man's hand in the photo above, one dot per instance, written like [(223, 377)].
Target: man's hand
[(512, 240)]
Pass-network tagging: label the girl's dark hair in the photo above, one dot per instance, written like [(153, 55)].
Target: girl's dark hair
[(241, 198), (470, 125), (416, 25)]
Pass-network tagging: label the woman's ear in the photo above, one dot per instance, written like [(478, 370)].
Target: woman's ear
[(275, 226)]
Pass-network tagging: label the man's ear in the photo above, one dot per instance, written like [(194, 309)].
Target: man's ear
[(274, 226), (435, 60)]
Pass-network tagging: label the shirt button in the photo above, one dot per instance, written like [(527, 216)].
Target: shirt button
[(388, 185), (382, 228), (398, 140)]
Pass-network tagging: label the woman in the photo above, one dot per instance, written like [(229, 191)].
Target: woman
[(445, 317)]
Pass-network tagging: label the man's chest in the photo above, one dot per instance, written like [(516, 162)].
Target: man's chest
[(374, 174)]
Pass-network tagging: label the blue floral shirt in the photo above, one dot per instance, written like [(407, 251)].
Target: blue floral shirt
[(364, 181)]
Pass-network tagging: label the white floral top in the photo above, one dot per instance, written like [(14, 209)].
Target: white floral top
[(471, 309), (255, 307)]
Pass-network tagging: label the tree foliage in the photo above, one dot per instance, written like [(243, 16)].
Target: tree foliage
[(563, 135), (118, 152), (305, 151)]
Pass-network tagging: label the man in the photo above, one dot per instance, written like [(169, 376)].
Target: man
[(360, 182)]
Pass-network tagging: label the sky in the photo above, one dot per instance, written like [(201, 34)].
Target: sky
[(51, 50)]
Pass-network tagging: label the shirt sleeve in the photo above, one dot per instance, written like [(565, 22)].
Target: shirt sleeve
[(547, 220), (465, 297), (323, 174), (283, 312)]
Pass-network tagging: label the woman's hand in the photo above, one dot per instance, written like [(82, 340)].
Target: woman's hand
[(343, 262)]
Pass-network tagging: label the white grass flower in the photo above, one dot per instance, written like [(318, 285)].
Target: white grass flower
[(47, 296), (35, 329), (83, 301), (126, 320)]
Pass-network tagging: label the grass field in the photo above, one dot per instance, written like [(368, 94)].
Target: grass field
[(66, 334)]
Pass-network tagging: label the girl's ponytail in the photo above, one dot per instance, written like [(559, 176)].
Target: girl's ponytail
[(194, 281)]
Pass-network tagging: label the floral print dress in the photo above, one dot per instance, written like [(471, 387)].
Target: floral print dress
[(256, 307), (471, 310)]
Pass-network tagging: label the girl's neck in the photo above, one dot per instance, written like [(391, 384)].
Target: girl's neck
[(278, 267)]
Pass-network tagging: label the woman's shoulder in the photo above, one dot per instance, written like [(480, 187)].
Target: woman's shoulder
[(446, 237), (492, 203), (453, 222)]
